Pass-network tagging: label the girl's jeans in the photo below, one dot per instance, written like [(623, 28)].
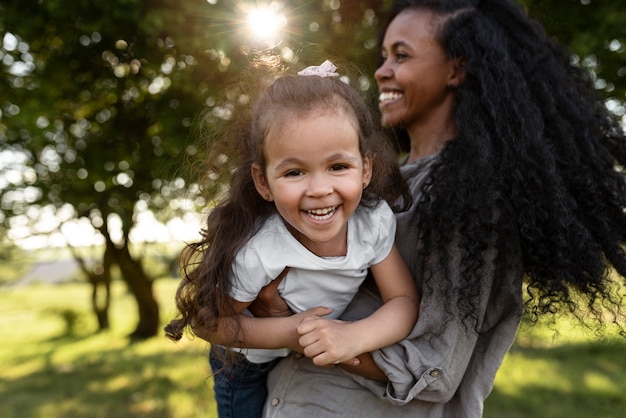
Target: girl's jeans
[(240, 387)]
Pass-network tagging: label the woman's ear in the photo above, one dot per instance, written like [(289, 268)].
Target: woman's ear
[(260, 182), (457, 72)]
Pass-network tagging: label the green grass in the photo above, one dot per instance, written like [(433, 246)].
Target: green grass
[(49, 372), (55, 365), (572, 374)]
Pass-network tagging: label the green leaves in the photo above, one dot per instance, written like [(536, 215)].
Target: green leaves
[(104, 97)]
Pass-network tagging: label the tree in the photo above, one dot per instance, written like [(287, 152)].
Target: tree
[(98, 101), (594, 31)]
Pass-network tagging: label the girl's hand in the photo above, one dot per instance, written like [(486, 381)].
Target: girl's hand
[(328, 342), (292, 323)]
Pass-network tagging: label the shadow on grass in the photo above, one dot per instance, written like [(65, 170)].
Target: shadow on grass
[(583, 380), (113, 378), (119, 381)]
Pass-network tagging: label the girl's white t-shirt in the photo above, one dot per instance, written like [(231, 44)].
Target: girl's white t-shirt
[(311, 280)]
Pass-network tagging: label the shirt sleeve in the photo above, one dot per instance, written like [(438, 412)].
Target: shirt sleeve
[(249, 275), (431, 362), (384, 223)]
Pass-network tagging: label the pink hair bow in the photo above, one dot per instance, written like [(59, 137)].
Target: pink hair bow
[(327, 69)]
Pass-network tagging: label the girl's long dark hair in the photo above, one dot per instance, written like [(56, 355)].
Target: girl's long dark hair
[(537, 145), (207, 265)]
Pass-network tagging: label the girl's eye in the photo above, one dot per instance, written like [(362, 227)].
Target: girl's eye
[(293, 173), (338, 167)]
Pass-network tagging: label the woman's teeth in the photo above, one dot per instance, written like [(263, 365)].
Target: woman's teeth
[(387, 96)]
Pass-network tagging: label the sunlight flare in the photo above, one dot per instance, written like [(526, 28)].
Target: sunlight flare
[(266, 22)]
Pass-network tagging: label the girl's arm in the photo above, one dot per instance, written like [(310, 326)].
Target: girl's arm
[(251, 332), (332, 342)]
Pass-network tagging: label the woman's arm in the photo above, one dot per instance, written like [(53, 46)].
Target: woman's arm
[(269, 302), (442, 351), (331, 342), (366, 367)]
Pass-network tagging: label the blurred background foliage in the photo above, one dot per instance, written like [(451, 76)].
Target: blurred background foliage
[(104, 105)]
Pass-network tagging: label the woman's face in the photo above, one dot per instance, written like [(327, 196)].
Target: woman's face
[(416, 80)]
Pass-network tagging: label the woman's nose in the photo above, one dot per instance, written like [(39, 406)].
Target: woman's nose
[(382, 73)]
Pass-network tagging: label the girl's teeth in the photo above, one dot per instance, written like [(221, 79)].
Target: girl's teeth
[(322, 214)]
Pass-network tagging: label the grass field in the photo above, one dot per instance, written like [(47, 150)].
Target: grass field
[(54, 365)]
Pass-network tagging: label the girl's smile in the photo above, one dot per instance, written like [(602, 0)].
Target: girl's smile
[(321, 214), (315, 175)]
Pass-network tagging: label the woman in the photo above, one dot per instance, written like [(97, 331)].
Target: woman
[(511, 163)]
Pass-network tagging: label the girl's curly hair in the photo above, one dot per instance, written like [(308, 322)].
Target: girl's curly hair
[(202, 296)]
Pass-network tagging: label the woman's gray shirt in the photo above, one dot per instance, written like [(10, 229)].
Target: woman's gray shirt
[(441, 370)]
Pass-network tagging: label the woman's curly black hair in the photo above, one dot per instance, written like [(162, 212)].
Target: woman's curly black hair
[(537, 144)]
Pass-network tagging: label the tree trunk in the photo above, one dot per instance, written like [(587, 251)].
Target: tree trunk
[(100, 302), (101, 295), (140, 285), (99, 276)]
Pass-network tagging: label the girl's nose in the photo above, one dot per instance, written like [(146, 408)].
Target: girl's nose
[(319, 186)]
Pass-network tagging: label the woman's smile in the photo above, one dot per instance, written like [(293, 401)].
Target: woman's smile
[(387, 97)]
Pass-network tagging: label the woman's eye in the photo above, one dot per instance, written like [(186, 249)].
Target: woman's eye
[(400, 56)]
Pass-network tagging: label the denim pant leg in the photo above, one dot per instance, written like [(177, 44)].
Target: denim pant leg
[(240, 388)]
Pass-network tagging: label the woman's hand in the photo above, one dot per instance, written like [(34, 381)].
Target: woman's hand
[(269, 303)]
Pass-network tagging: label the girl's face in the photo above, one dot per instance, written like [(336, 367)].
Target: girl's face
[(416, 79), (315, 175)]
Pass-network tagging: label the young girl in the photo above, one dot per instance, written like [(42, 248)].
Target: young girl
[(309, 201)]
